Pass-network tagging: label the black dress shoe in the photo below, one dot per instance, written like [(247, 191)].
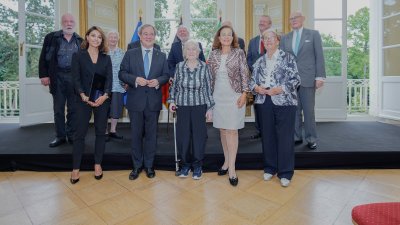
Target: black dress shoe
[(98, 177), (70, 140), (255, 136), (56, 142), (234, 181), (135, 173), (107, 138), (115, 135), (74, 181), (222, 172), (298, 142), (150, 173), (312, 145)]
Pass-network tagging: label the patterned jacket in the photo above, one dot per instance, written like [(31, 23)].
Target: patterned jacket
[(285, 74), (236, 66)]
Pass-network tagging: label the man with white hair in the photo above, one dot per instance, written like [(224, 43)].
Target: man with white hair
[(306, 45), (55, 72), (175, 55)]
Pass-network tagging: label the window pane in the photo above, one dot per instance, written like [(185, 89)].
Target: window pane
[(203, 9), (169, 9), (390, 7), (328, 9), (37, 28), (358, 40), (203, 31), (9, 40), (166, 31), (391, 65), (331, 32), (391, 31), (45, 8), (333, 65), (32, 62)]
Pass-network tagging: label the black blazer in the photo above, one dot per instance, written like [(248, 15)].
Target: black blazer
[(83, 70), (175, 56), (132, 67), (136, 44), (48, 56)]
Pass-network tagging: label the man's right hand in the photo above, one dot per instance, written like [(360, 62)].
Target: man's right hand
[(141, 81), (45, 81)]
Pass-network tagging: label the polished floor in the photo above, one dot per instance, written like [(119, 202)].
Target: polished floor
[(314, 197)]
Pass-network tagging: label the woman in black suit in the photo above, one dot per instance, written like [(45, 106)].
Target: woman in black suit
[(92, 71)]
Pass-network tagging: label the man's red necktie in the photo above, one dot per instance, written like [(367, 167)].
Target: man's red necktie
[(262, 48)]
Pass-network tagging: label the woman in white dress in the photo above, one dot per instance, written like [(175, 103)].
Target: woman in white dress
[(230, 86)]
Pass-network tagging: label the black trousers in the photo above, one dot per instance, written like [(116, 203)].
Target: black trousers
[(64, 94), (143, 122), (84, 113), (191, 133), (277, 130)]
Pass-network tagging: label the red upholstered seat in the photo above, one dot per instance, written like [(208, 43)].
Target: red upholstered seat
[(377, 214)]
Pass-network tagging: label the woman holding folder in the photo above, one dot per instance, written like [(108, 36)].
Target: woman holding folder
[(92, 71)]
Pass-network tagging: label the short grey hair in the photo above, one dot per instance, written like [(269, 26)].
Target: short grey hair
[(145, 26), (191, 43), (113, 32)]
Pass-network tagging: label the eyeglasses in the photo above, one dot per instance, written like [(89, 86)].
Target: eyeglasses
[(294, 18), (269, 38)]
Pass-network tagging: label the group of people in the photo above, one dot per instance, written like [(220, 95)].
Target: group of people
[(281, 72)]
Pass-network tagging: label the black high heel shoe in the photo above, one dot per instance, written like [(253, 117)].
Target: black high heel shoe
[(222, 172), (98, 177), (74, 181), (234, 181)]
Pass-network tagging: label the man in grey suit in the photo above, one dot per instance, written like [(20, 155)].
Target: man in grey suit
[(306, 45), (145, 70), (255, 51)]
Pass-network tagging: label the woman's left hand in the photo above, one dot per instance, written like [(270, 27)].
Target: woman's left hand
[(275, 91), (242, 100)]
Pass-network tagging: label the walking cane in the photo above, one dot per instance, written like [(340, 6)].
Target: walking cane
[(176, 150)]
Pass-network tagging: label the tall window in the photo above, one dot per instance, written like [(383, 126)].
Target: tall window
[(328, 20), (391, 40), (200, 16), (334, 17)]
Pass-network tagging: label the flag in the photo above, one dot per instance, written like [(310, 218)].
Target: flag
[(135, 36), (219, 23)]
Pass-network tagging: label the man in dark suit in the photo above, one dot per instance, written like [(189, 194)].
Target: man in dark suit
[(175, 55), (306, 45), (145, 70), (242, 45), (55, 72), (255, 51)]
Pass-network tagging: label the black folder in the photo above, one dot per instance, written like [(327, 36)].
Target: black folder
[(97, 87)]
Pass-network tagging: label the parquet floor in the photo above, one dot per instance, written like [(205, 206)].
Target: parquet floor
[(314, 197)]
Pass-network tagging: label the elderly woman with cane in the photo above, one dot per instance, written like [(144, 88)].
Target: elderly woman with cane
[(274, 82), (191, 98)]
